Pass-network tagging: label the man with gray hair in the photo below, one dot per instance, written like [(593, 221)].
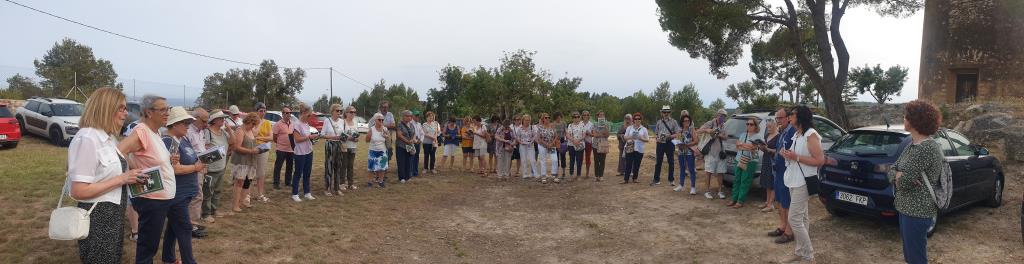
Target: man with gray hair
[(195, 136), (626, 122)]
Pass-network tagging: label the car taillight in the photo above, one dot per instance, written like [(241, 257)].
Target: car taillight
[(888, 213), (883, 168)]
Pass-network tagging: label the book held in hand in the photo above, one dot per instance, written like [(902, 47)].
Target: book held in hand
[(153, 184), (212, 155), (264, 147)]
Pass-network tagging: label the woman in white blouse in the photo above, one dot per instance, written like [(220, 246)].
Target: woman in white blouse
[(97, 171)]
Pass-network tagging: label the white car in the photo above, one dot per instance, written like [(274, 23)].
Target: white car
[(53, 118), (361, 126)]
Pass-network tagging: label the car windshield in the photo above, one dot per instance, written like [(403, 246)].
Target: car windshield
[(5, 112), (870, 143), (736, 126), (66, 109), (272, 117)]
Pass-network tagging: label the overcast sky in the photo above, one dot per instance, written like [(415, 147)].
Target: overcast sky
[(615, 46)]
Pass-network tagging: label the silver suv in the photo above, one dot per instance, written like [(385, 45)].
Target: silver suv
[(53, 118), (736, 125)]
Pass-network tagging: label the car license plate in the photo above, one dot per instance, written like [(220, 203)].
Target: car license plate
[(2, 137), (853, 198)]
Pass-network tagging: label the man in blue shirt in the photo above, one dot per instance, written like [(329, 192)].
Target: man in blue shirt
[(782, 116)]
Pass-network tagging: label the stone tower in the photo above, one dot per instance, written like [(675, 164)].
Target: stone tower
[(972, 49)]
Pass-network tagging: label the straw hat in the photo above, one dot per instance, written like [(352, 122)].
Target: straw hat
[(217, 114), (178, 114), (721, 111), (666, 108)]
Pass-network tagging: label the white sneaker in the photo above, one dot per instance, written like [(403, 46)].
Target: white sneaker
[(296, 198), (693, 191), (708, 195), (403, 181), (678, 188), (721, 195), (309, 196)]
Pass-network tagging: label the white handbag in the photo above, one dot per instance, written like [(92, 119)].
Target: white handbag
[(69, 223)]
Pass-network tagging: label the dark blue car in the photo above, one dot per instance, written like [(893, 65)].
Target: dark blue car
[(854, 179)]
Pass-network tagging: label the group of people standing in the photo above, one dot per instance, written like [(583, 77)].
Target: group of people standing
[(101, 163)]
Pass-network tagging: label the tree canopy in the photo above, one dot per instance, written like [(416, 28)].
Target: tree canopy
[(246, 87), (70, 62), (400, 97), (880, 84), (717, 31)]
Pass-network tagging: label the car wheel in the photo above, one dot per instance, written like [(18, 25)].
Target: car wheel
[(935, 224), (997, 194), (56, 137), (21, 124)]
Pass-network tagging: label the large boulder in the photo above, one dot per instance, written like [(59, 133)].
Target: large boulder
[(988, 127), (1014, 143)]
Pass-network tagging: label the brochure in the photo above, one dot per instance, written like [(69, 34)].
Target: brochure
[(264, 147), (153, 184), (212, 155)]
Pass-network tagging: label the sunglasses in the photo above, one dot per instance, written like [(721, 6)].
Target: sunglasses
[(351, 112), (575, 116), (543, 117), (638, 118)]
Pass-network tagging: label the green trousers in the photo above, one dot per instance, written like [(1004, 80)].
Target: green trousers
[(742, 180)]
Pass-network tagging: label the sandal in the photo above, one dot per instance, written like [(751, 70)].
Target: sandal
[(730, 204), (777, 232), (737, 206), (762, 206)]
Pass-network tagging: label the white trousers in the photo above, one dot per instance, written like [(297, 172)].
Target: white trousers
[(528, 156), (550, 155)]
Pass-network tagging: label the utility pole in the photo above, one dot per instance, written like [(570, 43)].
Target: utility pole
[(332, 85), (183, 97), (134, 95)]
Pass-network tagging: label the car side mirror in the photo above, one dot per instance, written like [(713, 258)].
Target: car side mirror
[(980, 151)]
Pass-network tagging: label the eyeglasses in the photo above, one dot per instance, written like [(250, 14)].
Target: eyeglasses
[(575, 116), (164, 110), (351, 112), (751, 124), (543, 117), (337, 111), (122, 108)]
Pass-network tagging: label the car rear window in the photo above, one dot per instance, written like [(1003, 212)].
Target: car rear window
[(5, 112), (867, 144)]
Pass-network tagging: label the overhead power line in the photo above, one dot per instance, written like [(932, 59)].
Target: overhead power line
[(173, 48)]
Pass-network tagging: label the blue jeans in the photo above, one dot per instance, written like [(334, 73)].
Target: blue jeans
[(404, 168), (664, 150), (687, 163), (152, 216), (303, 169), (575, 161), (914, 232), (179, 229)]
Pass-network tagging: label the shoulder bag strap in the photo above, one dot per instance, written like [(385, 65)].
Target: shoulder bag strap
[(67, 190)]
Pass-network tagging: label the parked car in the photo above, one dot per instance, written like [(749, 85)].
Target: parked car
[(53, 118), (736, 126), (10, 131), (361, 126), (134, 113), (855, 178), (319, 122)]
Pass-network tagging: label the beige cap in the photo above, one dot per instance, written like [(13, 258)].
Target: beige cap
[(178, 114), (217, 114), (721, 111), (234, 110)]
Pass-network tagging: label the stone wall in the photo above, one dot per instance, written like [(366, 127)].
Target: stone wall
[(985, 37)]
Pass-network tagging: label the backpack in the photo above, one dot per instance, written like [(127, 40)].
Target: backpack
[(942, 193)]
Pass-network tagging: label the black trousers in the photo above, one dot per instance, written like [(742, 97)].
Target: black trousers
[(664, 150), (633, 159), (599, 159), (429, 156), (287, 158)]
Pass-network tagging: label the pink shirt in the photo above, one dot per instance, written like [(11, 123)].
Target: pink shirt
[(153, 154), (283, 130)]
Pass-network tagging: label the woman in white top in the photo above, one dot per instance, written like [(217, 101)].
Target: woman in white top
[(802, 162), (332, 162), (526, 135), (377, 161), (96, 171), (575, 134), (480, 136), (431, 129), (636, 136)]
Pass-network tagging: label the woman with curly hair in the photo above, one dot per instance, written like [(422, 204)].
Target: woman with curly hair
[(917, 169)]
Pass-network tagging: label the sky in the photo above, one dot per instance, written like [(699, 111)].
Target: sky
[(614, 46)]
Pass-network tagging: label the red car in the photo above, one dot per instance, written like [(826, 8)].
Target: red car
[(10, 132)]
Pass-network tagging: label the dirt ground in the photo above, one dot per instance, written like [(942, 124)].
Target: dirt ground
[(462, 218)]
